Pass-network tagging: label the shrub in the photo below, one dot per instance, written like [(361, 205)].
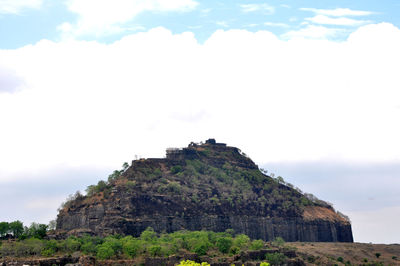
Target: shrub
[(155, 250), (241, 241), (131, 248), (394, 258), (256, 244), (148, 235), (114, 243), (72, 245), (201, 247), (340, 259), (264, 264), (174, 187), (192, 263), (377, 255), (104, 252), (176, 169), (88, 248), (278, 242), (224, 244), (275, 258), (48, 252)]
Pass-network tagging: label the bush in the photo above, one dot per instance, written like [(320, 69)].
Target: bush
[(201, 247), (264, 264), (88, 248), (275, 258), (72, 245), (104, 252), (377, 255), (278, 242), (114, 243), (48, 252), (224, 244), (131, 247), (257, 244), (241, 241), (340, 259), (192, 263), (176, 169), (155, 250), (148, 235)]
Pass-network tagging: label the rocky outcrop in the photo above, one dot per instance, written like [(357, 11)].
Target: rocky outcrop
[(207, 186)]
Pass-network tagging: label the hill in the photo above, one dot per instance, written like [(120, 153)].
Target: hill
[(208, 186)]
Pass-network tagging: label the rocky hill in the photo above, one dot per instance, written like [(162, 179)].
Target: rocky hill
[(207, 186)]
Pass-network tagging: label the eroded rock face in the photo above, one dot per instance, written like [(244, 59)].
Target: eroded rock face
[(202, 187)]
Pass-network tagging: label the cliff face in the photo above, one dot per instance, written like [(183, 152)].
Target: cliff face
[(209, 186)]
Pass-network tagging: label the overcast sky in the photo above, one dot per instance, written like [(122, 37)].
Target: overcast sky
[(310, 90)]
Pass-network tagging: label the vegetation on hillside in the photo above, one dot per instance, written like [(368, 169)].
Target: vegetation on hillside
[(149, 244), (197, 181)]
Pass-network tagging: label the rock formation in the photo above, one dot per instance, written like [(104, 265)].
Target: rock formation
[(207, 186)]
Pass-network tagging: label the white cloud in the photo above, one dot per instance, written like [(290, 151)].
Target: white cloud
[(276, 24), (257, 7), (338, 12), (10, 82), (91, 104), (222, 24), (104, 17), (16, 6), (340, 21), (313, 32)]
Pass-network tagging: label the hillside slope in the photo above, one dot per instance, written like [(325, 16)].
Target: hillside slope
[(207, 186)]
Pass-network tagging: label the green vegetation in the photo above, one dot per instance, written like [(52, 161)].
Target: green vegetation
[(275, 258), (17, 229), (214, 177), (148, 244), (192, 263)]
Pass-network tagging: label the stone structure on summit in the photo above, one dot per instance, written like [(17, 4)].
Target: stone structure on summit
[(208, 186)]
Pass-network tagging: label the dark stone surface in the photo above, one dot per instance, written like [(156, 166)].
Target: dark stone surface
[(130, 212)]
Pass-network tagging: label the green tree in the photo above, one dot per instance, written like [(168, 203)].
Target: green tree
[(104, 252), (131, 247), (148, 235), (125, 166), (224, 244), (36, 230), (241, 241), (256, 244), (16, 228), (114, 176), (4, 229)]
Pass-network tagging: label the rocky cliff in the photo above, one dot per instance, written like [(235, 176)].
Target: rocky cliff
[(207, 186)]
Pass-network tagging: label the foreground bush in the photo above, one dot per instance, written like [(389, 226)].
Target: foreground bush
[(192, 263)]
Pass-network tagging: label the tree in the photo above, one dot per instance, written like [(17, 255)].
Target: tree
[(4, 228), (37, 230), (52, 225), (125, 166), (224, 244), (114, 176), (16, 228)]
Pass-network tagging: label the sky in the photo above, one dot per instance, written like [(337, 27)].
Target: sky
[(308, 89)]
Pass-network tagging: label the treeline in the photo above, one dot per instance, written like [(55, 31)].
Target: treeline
[(17, 229), (148, 244)]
